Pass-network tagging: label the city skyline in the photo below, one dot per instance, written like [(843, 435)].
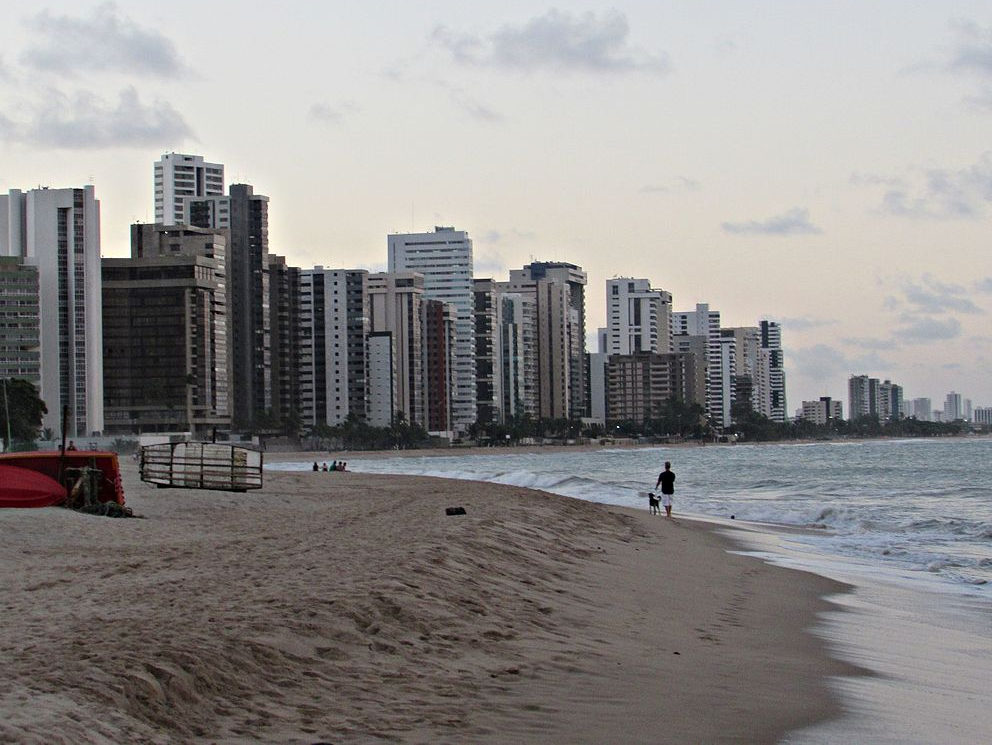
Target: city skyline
[(827, 170)]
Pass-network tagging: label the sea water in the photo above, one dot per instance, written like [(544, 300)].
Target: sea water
[(908, 523)]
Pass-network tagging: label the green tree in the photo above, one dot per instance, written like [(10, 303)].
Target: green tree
[(26, 410)]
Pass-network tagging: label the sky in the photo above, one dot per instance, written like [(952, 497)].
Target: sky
[(827, 165)]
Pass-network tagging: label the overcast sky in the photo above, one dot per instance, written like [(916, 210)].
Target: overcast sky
[(824, 164)]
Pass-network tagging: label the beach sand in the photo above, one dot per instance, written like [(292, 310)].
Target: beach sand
[(349, 608)]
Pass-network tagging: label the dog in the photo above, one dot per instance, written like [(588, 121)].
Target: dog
[(654, 504)]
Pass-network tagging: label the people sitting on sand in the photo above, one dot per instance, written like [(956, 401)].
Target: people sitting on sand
[(342, 466), (315, 466), (324, 467)]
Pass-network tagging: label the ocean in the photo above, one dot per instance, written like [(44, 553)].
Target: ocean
[(908, 523)]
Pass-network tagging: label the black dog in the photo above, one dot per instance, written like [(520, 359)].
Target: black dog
[(654, 504)]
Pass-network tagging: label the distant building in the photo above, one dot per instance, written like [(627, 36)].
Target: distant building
[(440, 339), (334, 320), (552, 311), (246, 215), (20, 320), (953, 409), (285, 321), (982, 415), (863, 396), (922, 409), (444, 258), (638, 315), (57, 231), (719, 358), (823, 411), (395, 300), (638, 386), (166, 331), (488, 351), (889, 401), (178, 177)]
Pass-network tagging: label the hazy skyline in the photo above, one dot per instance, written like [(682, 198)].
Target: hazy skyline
[(827, 166)]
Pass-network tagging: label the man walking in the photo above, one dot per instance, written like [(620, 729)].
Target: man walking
[(666, 480)]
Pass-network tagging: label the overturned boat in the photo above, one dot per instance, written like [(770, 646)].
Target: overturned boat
[(22, 487), (202, 465), (65, 469)]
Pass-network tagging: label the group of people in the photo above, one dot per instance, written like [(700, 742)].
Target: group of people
[(666, 480), (335, 466)]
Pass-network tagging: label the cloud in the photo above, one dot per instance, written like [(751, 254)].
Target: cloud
[(943, 194), (937, 297), (103, 41), (933, 297), (984, 285), (794, 222), (489, 263), (805, 323), (558, 41), (508, 234), (823, 362), (922, 330), (869, 343), (874, 179), (475, 109), (86, 121), (678, 185), (327, 114)]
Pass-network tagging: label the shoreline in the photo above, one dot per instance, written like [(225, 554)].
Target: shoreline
[(357, 610), (281, 456)]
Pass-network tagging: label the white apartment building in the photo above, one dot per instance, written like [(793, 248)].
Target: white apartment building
[(639, 317), (953, 407), (983, 415), (178, 177), (822, 411), (704, 323), (444, 258), (58, 232)]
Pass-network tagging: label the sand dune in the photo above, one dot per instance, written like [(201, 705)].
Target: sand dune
[(350, 608)]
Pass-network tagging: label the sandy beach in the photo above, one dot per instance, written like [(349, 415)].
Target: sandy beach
[(343, 607)]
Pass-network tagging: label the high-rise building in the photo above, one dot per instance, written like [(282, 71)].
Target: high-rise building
[(704, 323), (57, 231), (519, 377), (863, 394), (639, 385), (982, 415), (334, 319), (488, 351), (284, 310), (166, 329), (553, 313), (639, 317), (889, 401), (246, 215), (395, 300), (439, 339), (823, 411), (953, 408), (178, 177), (923, 409), (444, 257), (768, 397), (20, 320)]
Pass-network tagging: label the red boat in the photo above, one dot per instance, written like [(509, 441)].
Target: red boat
[(20, 487), (57, 467)]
